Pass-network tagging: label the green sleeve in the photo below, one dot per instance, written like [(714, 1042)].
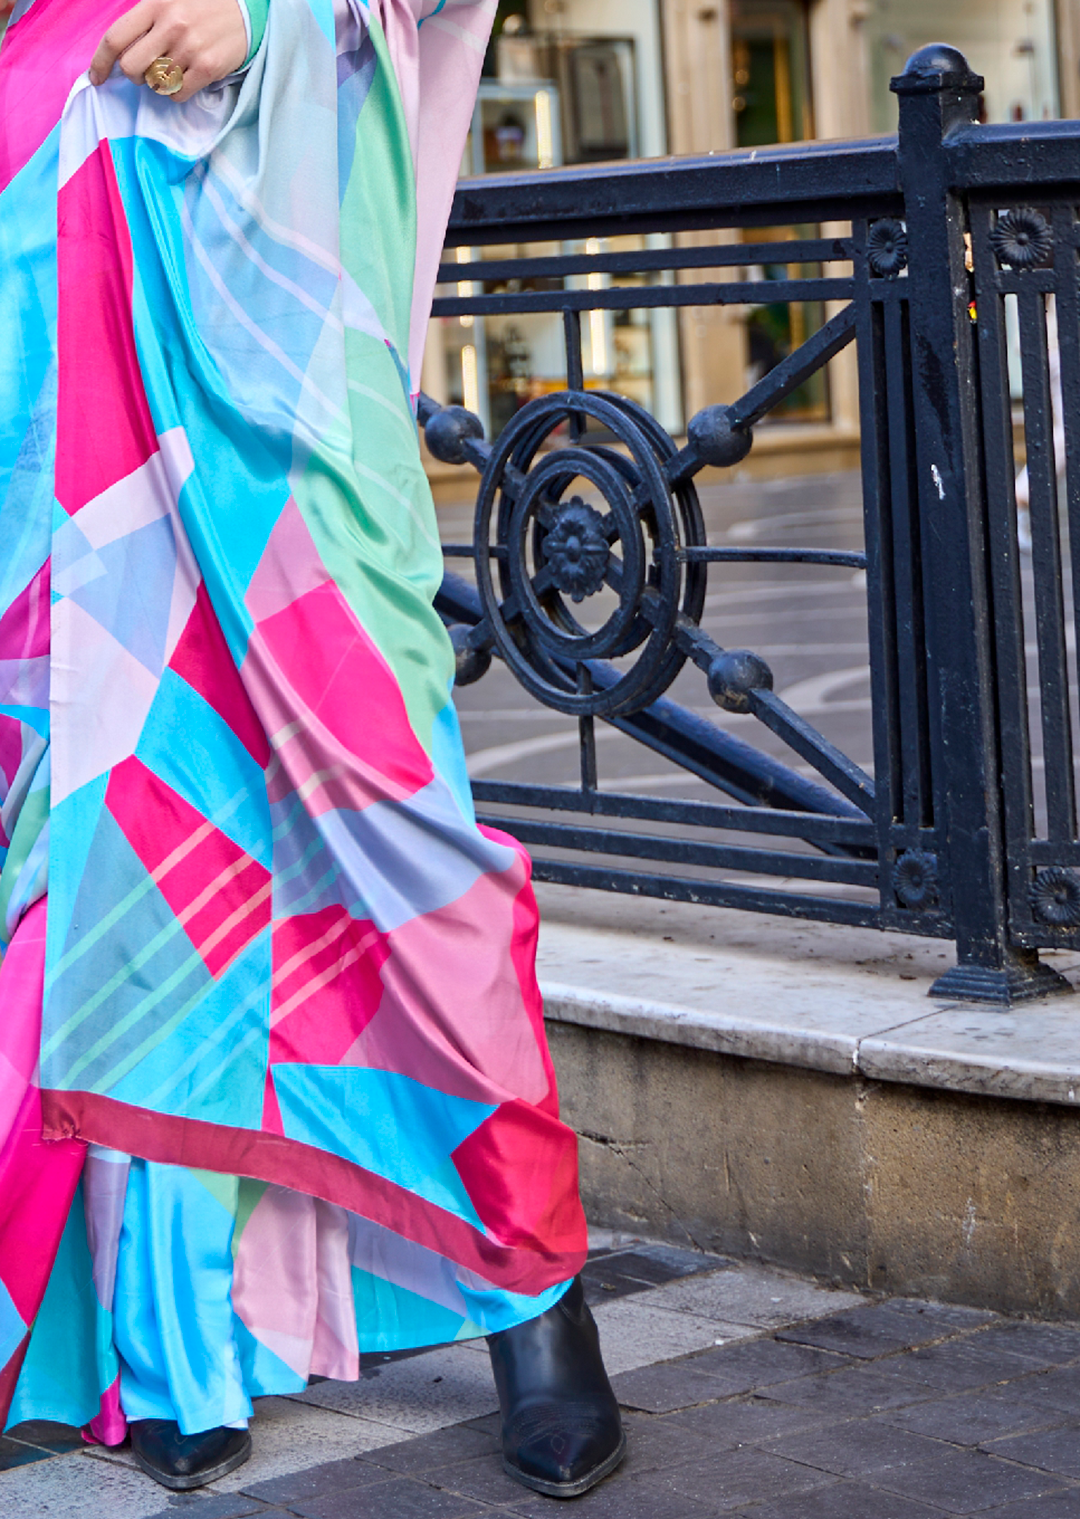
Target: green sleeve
[(256, 14)]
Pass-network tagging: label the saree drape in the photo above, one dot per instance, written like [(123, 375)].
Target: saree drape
[(251, 925)]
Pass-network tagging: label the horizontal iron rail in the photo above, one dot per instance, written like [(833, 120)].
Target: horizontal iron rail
[(639, 297), (1022, 156), (812, 828), (803, 183), (720, 894), (820, 250), (722, 554), (684, 851)]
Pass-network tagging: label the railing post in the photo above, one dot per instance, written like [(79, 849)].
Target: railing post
[(938, 93)]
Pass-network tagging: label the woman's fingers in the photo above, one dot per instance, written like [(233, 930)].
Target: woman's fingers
[(206, 38), (119, 38)]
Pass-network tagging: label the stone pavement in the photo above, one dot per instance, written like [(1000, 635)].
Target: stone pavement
[(748, 1392)]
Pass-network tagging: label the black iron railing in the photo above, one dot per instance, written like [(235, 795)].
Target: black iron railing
[(967, 828)]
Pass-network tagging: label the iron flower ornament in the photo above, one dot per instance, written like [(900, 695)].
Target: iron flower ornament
[(915, 878), (886, 247), (1021, 238), (1055, 896), (577, 550)]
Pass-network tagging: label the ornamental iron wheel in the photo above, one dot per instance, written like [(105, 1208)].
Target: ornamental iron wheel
[(579, 555)]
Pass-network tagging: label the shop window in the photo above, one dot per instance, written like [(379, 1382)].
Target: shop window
[(772, 104), (551, 97), (770, 55)]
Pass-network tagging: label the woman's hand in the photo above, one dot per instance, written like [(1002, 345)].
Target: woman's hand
[(206, 38)]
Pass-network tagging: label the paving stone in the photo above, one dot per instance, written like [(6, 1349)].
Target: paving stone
[(718, 1373), (78, 1487), (460, 1442), (974, 1417), (1057, 1388), (1052, 1344), (329, 1477), (858, 1391), (653, 1444), (849, 1500), (662, 1389), (216, 1506), (871, 1332), (740, 1476), (767, 1361), (1060, 1505), (634, 1333), (859, 1448), (424, 1393), (289, 1436), (620, 1497), (947, 1316), (47, 1435), (751, 1421), (754, 1295), (399, 1498), (1052, 1450), (618, 1273), (956, 1366), (967, 1482), (482, 1479), (14, 1453)]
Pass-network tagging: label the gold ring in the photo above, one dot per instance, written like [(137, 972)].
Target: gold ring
[(165, 77)]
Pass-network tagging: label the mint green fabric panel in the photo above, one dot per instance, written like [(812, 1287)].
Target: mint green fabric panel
[(257, 13), (383, 552)]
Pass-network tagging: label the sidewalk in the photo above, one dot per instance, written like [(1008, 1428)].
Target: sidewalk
[(748, 1392)]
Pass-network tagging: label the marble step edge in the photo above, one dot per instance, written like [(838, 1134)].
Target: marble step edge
[(1031, 1054)]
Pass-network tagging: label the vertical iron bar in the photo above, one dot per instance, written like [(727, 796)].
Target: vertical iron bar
[(910, 665), (938, 93), (1046, 562), (1067, 301), (875, 450), (587, 734), (1012, 682), (575, 368)]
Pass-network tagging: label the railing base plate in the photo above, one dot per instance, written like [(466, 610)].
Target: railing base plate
[(1004, 985)]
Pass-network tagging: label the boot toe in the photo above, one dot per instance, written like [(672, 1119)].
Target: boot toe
[(562, 1449), (181, 1461)]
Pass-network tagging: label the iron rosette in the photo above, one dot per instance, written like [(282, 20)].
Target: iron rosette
[(579, 553)]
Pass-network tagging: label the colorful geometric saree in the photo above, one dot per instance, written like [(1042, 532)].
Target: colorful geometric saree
[(253, 934)]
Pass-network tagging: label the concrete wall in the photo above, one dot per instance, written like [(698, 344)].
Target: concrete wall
[(904, 1189)]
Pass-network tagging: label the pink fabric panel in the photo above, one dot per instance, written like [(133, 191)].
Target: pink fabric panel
[(43, 55), (202, 658), (326, 985), (313, 669), (451, 1014), (37, 1178), (292, 1285), (24, 627), (220, 895), (108, 1426), (11, 749), (104, 431)]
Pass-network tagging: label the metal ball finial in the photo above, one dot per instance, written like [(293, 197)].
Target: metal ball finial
[(449, 430), (716, 440), (734, 674)]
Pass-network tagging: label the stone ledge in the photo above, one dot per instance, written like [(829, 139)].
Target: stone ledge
[(819, 997)]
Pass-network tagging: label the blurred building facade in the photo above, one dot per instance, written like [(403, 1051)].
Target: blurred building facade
[(580, 81)]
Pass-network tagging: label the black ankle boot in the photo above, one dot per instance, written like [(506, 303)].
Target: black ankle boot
[(183, 1461), (561, 1430)]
